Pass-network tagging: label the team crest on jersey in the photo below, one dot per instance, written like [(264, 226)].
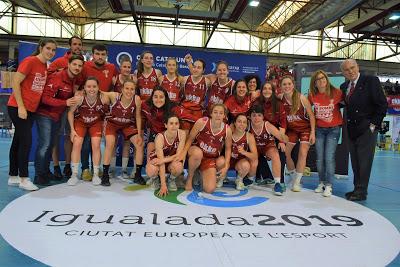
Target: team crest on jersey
[(106, 73)]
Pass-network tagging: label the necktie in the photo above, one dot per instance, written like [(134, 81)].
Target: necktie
[(352, 88)]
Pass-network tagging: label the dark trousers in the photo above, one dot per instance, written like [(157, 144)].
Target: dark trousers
[(21, 143), (362, 151), (47, 131)]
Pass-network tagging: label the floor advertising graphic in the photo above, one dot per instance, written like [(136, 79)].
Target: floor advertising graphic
[(130, 225)]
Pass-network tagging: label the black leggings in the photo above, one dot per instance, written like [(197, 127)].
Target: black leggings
[(21, 143)]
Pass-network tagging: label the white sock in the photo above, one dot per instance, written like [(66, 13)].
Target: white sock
[(239, 178), (252, 178), (75, 167), (124, 163), (291, 172), (298, 176), (277, 179), (96, 170), (172, 177)]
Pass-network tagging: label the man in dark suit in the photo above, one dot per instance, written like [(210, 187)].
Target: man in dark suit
[(364, 111)]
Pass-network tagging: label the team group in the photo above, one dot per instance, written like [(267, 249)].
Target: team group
[(209, 120)]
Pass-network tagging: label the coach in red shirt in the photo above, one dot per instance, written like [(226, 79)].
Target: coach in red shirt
[(326, 99), (61, 63), (100, 68), (58, 94)]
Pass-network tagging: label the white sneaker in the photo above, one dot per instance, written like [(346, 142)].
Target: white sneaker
[(124, 175), (296, 185), (155, 183), (96, 180), (72, 181), (172, 185), (320, 188), (14, 180), (239, 185), (327, 191), (220, 182), (27, 185)]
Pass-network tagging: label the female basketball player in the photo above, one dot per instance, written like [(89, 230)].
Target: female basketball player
[(87, 116), (204, 146), (125, 116), (168, 145), (300, 127)]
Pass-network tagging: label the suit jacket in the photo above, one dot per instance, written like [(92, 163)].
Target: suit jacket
[(366, 105)]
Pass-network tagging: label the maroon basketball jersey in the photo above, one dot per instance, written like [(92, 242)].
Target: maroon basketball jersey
[(154, 118), (90, 114), (219, 93), (262, 138), (173, 88), (147, 84), (123, 115), (241, 142), (194, 94), (297, 121), (211, 143), (170, 149), (118, 85)]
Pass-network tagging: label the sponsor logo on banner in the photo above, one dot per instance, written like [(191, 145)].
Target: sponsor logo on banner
[(101, 226)]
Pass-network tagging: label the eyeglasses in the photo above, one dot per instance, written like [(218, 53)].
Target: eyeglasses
[(320, 78)]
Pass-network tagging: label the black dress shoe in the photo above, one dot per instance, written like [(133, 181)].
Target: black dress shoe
[(41, 180), (105, 179), (57, 176), (357, 197), (139, 180), (67, 170), (348, 194)]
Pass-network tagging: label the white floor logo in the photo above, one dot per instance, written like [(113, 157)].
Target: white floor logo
[(120, 226)]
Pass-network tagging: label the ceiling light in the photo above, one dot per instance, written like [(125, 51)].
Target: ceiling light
[(394, 16), (254, 3)]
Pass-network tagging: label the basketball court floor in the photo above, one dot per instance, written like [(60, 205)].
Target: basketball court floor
[(128, 225)]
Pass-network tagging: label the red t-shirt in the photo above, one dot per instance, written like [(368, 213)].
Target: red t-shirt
[(60, 63), (104, 74), (32, 86), (326, 109), (59, 87)]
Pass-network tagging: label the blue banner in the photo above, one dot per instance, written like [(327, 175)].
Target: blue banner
[(240, 65)]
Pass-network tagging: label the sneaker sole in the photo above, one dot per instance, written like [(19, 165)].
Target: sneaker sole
[(28, 189)]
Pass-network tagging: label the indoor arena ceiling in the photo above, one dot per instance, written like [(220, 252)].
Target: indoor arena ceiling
[(271, 18)]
